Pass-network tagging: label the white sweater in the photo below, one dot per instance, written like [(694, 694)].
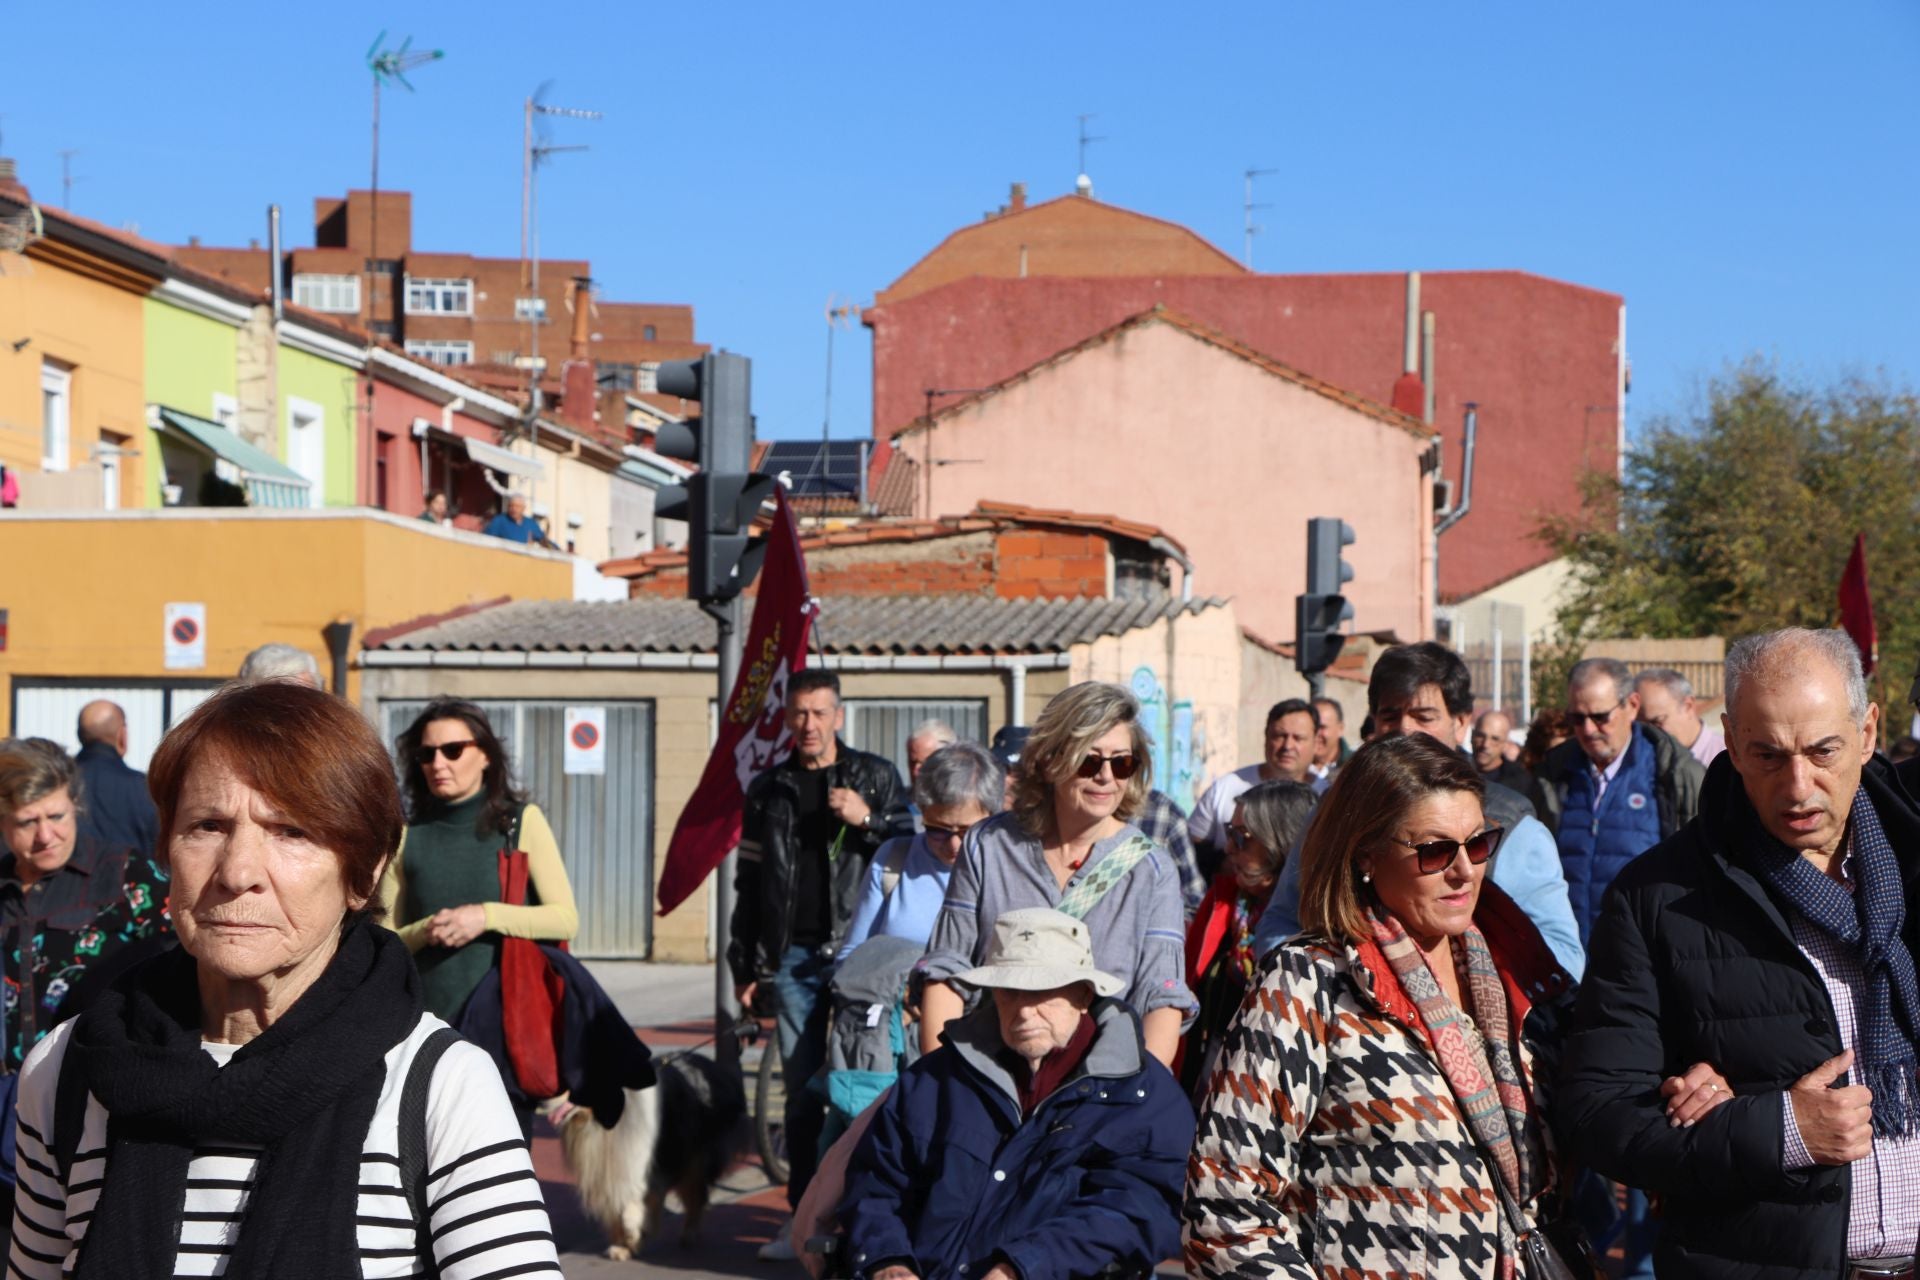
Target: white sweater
[(483, 1200)]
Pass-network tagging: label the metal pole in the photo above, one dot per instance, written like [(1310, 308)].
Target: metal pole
[(1317, 685), (726, 1004)]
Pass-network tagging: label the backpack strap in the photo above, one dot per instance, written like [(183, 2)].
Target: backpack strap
[(893, 862), (1106, 873), (413, 1136), (69, 1115)]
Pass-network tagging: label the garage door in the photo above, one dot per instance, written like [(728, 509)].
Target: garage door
[(50, 708), (604, 822)]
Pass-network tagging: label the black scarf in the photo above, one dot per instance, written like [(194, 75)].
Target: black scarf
[(1868, 922), (305, 1090)]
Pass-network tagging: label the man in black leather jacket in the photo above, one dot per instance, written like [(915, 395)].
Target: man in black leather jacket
[(811, 827)]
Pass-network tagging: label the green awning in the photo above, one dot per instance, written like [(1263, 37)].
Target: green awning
[(269, 482)]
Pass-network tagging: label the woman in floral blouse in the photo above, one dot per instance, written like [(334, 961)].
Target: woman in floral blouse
[(73, 912)]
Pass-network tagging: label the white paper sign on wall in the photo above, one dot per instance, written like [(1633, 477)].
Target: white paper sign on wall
[(186, 638), (586, 740)]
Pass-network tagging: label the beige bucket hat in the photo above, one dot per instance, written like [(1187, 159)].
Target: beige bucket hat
[(1038, 949)]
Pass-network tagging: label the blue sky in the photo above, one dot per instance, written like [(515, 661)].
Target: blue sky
[(1747, 175)]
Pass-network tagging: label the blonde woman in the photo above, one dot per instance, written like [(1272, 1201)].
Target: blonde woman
[(1069, 844)]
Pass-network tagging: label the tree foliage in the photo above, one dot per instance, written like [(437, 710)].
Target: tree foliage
[(1742, 520)]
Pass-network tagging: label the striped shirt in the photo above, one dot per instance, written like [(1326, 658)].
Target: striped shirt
[(1883, 1217), (487, 1218)]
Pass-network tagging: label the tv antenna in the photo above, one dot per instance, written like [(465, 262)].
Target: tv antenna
[(66, 178), (1086, 140), (842, 313), (388, 66), (1253, 228)]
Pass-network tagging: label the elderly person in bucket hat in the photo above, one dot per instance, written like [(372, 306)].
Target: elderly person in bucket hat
[(1039, 1142)]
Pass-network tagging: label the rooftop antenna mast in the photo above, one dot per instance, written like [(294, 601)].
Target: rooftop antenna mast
[(387, 66), (1086, 140), (66, 178), (1253, 228), (840, 315), (536, 148)]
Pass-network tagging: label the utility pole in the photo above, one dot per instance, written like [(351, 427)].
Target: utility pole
[(534, 154), (1253, 229), (726, 1002)]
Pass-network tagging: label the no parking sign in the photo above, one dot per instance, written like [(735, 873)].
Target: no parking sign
[(586, 747), (186, 637)]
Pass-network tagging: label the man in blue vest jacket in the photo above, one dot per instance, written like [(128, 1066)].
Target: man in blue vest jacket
[(1613, 791)]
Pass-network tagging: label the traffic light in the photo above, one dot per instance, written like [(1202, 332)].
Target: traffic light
[(720, 500), (1319, 613)]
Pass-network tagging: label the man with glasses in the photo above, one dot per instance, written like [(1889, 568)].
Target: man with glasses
[(1615, 789)]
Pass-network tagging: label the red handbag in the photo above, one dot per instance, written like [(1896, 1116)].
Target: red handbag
[(532, 995)]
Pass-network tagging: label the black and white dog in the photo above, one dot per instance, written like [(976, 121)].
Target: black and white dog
[(679, 1136)]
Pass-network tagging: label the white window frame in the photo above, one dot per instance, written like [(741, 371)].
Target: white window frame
[(226, 410), (303, 416), (322, 291), (56, 417), (441, 351), (530, 309), (439, 296)]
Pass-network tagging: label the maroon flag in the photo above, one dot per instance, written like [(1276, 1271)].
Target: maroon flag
[(753, 725), (1856, 604)]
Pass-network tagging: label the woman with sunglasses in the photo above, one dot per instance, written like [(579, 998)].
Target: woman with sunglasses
[(1403, 1038), (442, 889), (956, 787), (1268, 821), (1068, 843)]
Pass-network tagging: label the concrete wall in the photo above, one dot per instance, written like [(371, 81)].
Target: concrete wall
[(263, 576), (1158, 426), (570, 486)]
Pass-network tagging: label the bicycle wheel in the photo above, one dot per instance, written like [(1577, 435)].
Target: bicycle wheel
[(770, 1110)]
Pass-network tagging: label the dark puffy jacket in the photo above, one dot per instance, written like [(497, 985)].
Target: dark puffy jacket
[(769, 843), (1595, 850), (1693, 961), (114, 804), (950, 1178)]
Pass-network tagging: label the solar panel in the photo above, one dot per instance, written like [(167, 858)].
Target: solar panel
[(829, 468)]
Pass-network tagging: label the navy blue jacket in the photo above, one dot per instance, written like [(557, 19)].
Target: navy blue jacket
[(1656, 792), (950, 1178), (114, 805)]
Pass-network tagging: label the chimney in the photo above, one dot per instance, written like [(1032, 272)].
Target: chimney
[(1017, 200), (193, 242), (578, 391), (1409, 392)]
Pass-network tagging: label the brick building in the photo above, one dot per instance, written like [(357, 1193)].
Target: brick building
[(1543, 359), (455, 308)]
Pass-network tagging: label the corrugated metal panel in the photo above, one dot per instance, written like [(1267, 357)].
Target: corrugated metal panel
[(51, 709), (881, 725), (603, 822)]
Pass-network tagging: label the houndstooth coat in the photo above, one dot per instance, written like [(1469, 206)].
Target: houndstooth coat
[(1330, 1144)]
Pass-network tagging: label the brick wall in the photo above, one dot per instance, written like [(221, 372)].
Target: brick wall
[(1042, 564)]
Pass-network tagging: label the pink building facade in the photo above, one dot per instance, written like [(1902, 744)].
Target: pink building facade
[(1162, 421)]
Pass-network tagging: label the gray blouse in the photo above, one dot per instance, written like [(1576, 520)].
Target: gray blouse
[(1136, 927)]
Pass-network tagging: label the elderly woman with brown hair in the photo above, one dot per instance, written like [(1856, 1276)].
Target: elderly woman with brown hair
[(74, 910), (1069, 844), (1404, 1038), (270, 1099)]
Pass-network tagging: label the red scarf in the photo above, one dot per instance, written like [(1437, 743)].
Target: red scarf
[(1036, 1085)]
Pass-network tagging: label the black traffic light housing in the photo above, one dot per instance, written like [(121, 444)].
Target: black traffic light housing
[(1320, 613), (720, 500)]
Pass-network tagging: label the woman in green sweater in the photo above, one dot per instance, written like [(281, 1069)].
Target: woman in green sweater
[(442, 888)]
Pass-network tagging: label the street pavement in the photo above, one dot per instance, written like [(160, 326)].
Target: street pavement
[(672, 1007)]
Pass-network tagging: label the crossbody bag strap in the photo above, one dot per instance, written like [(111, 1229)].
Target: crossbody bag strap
[(1081, 898)]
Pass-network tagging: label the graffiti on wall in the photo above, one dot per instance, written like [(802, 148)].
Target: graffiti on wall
[(1177, 765)]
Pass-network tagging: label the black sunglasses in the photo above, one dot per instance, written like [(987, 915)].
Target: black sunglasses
[(447, 750), (1239, 834), (1435, 856), (1599, 718), (1122, 764)]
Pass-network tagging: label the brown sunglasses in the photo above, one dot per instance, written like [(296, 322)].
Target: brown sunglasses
[(1123, 765), (1435, 856), (447, 751)]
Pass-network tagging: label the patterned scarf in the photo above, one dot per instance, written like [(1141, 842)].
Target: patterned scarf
[(1247, 910), (1870, 921), (1102, 876), (1487, 1085)]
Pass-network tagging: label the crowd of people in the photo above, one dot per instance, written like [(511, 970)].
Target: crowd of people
[(1473, 999), (1464, 1000)]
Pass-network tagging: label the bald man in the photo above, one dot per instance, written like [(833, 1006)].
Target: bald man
[(115, 808)]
